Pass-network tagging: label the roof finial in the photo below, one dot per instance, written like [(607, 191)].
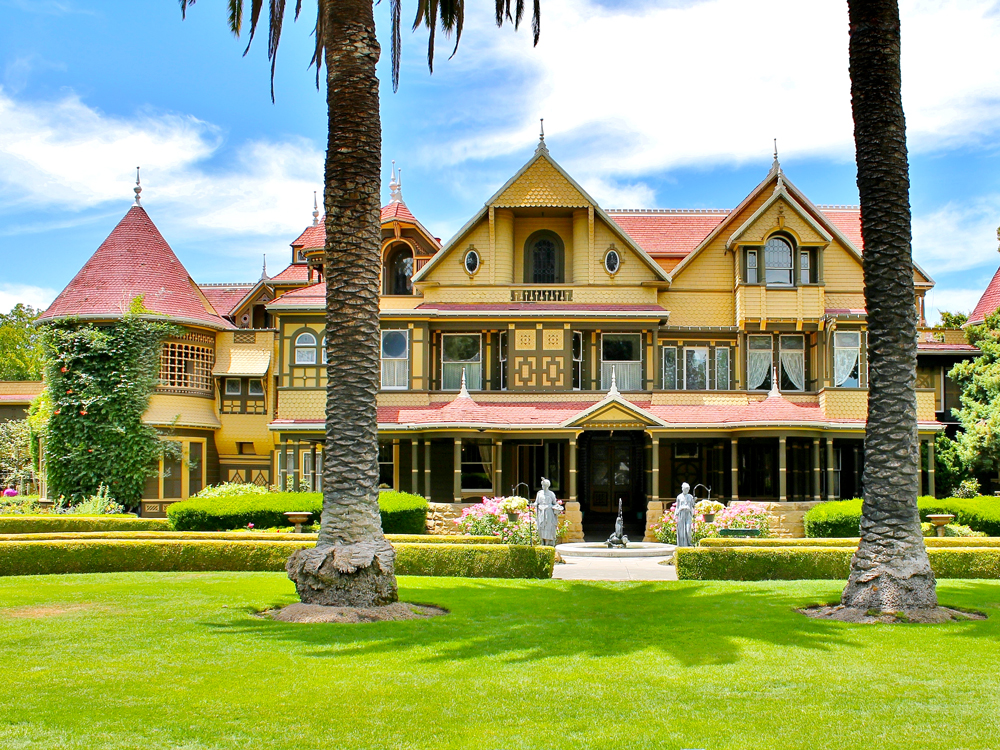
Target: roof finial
[(263, 270), (137, 188), (396, 185), (315, 210), (463, 392), (613, 390), (541, 135), (776, 165), (775, 391)]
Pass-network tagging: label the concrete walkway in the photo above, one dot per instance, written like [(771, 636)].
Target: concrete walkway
[(614, 569)]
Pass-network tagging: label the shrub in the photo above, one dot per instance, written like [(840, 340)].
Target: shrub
[(401, 512), (843, 518), (393, 539), (54, 523), (852, 542), (232, 489), (967, 488), (735, 516), (834, 563), (951, 529), (118, 555)]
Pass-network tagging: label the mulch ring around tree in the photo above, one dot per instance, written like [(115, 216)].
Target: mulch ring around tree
[(849, 614), (308, 613)]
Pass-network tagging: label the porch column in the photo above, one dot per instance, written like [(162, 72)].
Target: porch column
[(498, 469), (782, 469), (829, 469), (427, 469), (572, 470), (931, 489), (316, 480), (816, 470), (735, 468), (414, 466), (457, 487), (656, 469), (395, 464)]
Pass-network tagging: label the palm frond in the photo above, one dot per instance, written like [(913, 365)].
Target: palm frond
[(274, 36), (395, 9), (235, 16)]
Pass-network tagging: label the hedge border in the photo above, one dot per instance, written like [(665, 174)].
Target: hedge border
[(240, 536), (971, 542), (147, 555), (816, 563), (54, 523), (841, 518)]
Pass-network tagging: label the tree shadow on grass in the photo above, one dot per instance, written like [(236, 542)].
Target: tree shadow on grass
[(524, 622)]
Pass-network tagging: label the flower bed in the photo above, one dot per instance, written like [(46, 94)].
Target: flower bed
[(492, 517), (735, 516)]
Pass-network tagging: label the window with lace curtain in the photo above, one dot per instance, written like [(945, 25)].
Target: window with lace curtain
[(759, 362), (792, 357), (847, 359)]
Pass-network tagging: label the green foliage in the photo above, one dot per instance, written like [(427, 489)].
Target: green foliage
[(16, 464), (21, 351), (850, 542), (952, 320), (976, 449), (956, 530), (967, 488), (232, 489), (55, 523), (121, 555), (792, 563), (843, 518), (401, 512), (100, 378), (245, 536)]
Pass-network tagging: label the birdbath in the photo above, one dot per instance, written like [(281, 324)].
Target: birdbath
[(940, 520), (298, 518)]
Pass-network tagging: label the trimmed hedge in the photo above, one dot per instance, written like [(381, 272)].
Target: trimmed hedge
[(55, 523), (120, 555), (802, 563), (241, 536), (842, 518), (401, 512), (852, 542)]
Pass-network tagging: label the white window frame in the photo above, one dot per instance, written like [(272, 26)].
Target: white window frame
[(394, 367), (770, 362), (781, 364), (578, 361), (473, 368), (836, 336), (805, 266), (250, 384), (239, 387), (504, 341), (322, 350), (755, 268), (708, 356), (722, 383), (307, 351), (790, 269), (667, 385), (623, 383)]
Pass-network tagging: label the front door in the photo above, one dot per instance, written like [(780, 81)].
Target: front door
[(611, 475)]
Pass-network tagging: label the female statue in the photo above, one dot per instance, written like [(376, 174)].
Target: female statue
[(684, 515), (547, 510)]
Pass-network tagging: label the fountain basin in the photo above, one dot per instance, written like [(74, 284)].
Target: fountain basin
[(600, 549)]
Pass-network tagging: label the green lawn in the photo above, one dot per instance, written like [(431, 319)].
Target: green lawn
[(157, 660)]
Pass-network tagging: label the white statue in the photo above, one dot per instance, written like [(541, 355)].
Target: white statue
[(684, 516), (547, 510)]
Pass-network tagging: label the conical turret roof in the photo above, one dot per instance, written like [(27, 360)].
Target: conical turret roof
[(134, 261)]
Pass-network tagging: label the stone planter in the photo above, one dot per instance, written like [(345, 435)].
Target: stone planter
[(709, 517)]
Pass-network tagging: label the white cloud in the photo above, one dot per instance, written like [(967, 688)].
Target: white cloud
[(958, 236), (655, 88), (68, 154), (36, 296)]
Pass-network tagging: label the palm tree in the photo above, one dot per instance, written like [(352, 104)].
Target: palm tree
[(890, 571), (352, 564)]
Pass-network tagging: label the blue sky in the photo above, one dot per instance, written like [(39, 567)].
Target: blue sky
[(668, 104)]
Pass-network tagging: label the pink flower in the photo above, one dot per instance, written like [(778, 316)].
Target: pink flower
[(249, 525)]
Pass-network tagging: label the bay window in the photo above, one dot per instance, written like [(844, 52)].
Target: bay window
[(847, 359), (461, 352), (621, 354)]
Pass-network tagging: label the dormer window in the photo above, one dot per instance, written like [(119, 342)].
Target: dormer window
[(543, 259), (398, 270), (778, 261)]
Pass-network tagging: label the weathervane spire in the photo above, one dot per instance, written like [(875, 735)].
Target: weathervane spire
[(137, 188), (541, 135), (263, 270), (315, 210), (776, 165), (396, 185)]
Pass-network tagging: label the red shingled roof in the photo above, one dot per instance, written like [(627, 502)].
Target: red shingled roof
[(134, 260), (847, 220), (314, 294), (668, 232), (224, 297), (538, 306), (988, 303), (313, 236), (296, 272), (397, 211)]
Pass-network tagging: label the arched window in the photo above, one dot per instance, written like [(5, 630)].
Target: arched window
[(305, 349), (778, 261), (322, 350), (399, 270), (543, 258)]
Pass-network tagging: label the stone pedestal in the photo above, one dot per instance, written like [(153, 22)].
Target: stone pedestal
[(441, 517), (654, 512), (573, 514)]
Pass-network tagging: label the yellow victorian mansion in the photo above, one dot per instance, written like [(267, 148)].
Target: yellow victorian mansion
[(617, 352)]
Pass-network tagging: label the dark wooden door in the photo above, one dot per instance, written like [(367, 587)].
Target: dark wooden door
[(612, 475)]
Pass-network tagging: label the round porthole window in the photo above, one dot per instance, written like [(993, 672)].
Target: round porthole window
[(471, 262), (612, 262)]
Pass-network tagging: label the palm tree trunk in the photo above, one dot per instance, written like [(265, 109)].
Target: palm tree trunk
[(352, 563), (890, 570)]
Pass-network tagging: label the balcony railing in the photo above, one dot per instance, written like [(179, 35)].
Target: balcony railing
[(628, 375)]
